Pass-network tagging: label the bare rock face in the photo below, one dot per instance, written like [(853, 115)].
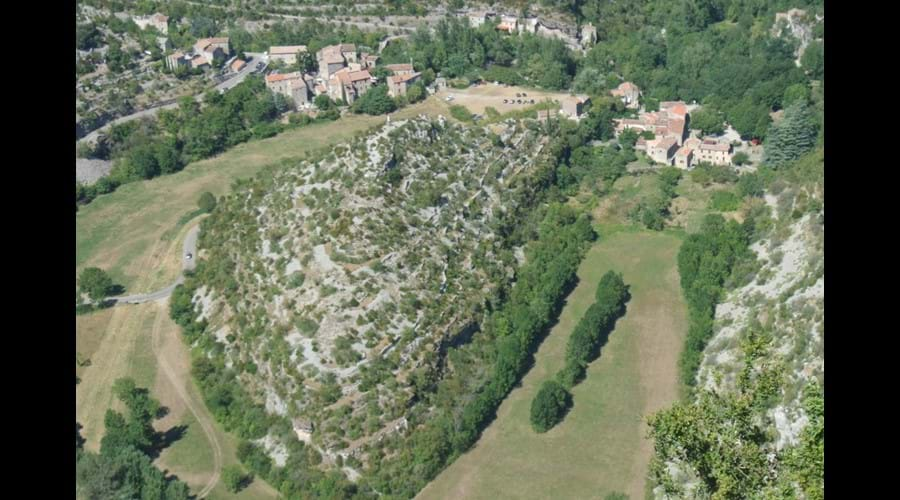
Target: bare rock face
[(345, 276), (796, 24)]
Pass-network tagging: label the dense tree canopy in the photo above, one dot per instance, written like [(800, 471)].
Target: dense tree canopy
[(95, 283), (793, 136), (549, 405)]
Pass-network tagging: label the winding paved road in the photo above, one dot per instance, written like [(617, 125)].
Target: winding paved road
[(189, 247), (252, 60)]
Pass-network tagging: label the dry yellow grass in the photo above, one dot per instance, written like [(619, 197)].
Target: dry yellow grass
[(477, 98)]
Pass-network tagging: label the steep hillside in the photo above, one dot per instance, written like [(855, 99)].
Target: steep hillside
[(332, 287), (755, 422)]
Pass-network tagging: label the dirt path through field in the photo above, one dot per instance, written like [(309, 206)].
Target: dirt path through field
[(174, 365)]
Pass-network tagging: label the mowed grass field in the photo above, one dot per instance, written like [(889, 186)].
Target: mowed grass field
[(601, 446)]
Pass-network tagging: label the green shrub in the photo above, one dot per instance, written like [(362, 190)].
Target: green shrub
[(461, 113), (549, 406), (724, 201)]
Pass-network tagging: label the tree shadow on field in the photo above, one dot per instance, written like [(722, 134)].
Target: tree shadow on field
[(167, 438), (539, 338)]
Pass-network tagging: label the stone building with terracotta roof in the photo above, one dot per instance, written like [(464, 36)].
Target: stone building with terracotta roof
[(629, 93), (400, 69), (335, 57), (348, 85), (210, 48), (294, 85), (287, 54), (399, 84), (662, 150), (238, 64)]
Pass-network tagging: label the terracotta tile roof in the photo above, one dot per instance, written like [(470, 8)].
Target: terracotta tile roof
[(332, 58), (283, 76), (238, 64), (666, 143), (286, 49), (399, 67), (347, 47), (161, 18), (395, 79), (198, 61), (355, 76), (627, 86), (683, 151)]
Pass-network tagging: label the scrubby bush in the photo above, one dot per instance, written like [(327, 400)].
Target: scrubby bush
[(549, 406)]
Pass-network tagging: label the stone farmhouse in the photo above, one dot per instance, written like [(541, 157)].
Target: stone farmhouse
[(205, 51), (349, 85), (287, 54), (210, 48), (334, 57), (399, 83), (662, 150), (294, 85), (703, 151), (629, 93)]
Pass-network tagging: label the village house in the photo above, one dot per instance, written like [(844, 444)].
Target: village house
[(158, 21), (293, 85), (676, 108), (348, 85), (714, 152), (199, 62), (703, 151), (684, 157), (333, 58), (629, 93), (573, 106), (398, 84), (210, 48), (287, 54), (238, 65), (662, 150)]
